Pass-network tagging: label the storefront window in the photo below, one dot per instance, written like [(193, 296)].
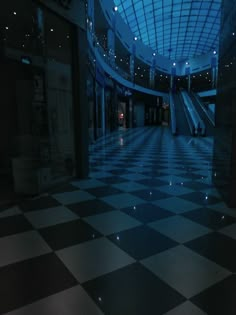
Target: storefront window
[(58, 38), (19, 28), (37, 93)]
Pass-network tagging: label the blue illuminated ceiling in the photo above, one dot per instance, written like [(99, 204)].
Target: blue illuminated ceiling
[(177, 29)]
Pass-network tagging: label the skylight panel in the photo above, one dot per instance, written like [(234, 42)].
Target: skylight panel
[(173, 25)]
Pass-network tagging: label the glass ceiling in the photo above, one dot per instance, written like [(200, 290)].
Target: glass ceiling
[(177, 29)]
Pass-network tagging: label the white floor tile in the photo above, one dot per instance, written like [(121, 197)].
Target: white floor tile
[(93, 259), (134, 176), (129, 186), (222, 208), (22, 246), (186, 308), (74, 301), (112, 222), (176, 205), (229, 231), (50, 216), (87, 183), (185, 270), (175, 190), (173, 179), (73, 197), (10, 212), (100, 174), (124, 200), (179, 228)]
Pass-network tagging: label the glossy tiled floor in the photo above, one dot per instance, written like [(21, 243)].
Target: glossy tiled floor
[(146, 234)]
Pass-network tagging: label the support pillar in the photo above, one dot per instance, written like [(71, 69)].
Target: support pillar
[(111, 46), (103, 111), (213, 75), (152, 72), (171, 83), (152, 78), (131, 63), (131, 112), (189, 83), (80, 104)]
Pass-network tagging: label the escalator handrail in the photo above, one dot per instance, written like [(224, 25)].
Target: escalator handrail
[(173, 115), (188, 117), (197, 98), (198, 125)]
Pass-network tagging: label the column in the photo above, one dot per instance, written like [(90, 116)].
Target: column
[(152, 72), (173, 74), (103, 111), (171, 83), (111, 46), (214, 75), (80, 103), (131, 63), (189, 83), (131, 111), (152, 78), (214, 70)]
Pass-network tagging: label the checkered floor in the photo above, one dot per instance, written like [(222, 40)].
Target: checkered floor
[(146, 234)]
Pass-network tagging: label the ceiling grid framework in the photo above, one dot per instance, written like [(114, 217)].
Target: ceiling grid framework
[(176, 29)]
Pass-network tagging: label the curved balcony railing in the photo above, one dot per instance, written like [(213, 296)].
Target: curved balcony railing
[(110, 61)]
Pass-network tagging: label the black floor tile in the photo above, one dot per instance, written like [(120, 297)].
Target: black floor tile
[(217, 247), (151, 194), (38, 203), (154, 183), (133, 290), (151, 173), (119, 171), (14, 224), (63, 188), (201, 198), (210, 218), (30, 280), (191, 176), (119, 164), (127, 165), (91, 207), (103, 191), (196, 185), (142, 241), (113, 180), (96, 164), (218, 299), (68, 234), (147, 212)]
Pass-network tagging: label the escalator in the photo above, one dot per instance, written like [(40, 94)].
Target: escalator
[(208, 125), (181, 120)]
